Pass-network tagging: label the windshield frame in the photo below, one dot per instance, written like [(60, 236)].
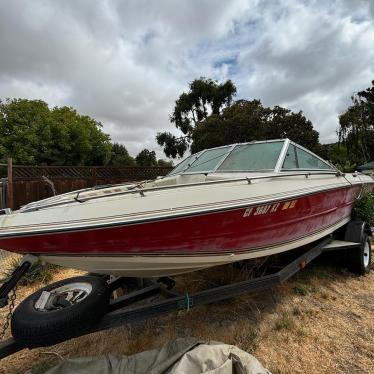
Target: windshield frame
[(276, 169)]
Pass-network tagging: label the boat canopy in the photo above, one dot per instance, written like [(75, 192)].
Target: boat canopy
[(272, 155)]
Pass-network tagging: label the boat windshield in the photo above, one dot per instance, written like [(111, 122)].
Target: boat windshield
[(252, 156), (202, 162), (183, 165), (256, 156)]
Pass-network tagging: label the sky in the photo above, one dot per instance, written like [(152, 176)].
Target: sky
[(125, 63)]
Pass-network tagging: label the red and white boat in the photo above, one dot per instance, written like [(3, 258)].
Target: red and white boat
[(221, 205)]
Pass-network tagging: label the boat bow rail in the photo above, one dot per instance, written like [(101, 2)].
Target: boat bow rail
[(138, 189)]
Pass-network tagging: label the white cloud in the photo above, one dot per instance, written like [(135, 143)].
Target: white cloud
[(310, 58), (126, 62)]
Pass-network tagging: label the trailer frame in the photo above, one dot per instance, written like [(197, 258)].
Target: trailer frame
[(120, 314)]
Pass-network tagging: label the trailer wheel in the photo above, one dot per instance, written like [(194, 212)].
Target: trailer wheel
[(359, 259), (60, 311)]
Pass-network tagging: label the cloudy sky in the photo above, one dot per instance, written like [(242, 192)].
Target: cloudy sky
[(125, 62)]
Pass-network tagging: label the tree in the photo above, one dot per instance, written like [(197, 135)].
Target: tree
[(337, 154), (120, 156), (146, 158), (77, 139), (164, 163), (24, 130), (246, 121), (32, 134), (356, 127), (283, 123), (205, 97)]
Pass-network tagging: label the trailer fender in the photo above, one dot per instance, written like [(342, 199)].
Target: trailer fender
[(358, 260)]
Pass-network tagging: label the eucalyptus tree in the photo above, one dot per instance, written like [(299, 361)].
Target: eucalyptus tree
[(205, 97), (356, 126)]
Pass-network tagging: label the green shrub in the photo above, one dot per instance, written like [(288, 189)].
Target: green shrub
[(363, 209)]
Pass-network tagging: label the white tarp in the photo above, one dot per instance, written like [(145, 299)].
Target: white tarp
[(180, 356)]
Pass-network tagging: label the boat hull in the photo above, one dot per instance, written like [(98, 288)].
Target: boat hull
[(191, 242), (145, 266)]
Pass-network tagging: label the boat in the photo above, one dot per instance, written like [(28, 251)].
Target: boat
[(218, 206)]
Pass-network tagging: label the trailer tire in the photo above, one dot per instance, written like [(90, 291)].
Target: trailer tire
[(34, 325), (358, 259)]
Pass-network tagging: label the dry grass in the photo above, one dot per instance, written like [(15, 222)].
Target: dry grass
[(321, 321)]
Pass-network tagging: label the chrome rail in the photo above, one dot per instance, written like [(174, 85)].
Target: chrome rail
[(249, 180), (136, 190)]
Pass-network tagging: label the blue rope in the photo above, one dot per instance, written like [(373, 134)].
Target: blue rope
[(188, 302)]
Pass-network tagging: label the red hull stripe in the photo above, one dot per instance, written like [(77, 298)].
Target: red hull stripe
[(237, 229), (231, 250)]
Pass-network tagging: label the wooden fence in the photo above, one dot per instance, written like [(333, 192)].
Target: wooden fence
[(32, 183)]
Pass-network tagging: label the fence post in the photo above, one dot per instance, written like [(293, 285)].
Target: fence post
[(94, 177), (10, 199)]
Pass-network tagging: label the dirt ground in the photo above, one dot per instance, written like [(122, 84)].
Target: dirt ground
[(320, 321)]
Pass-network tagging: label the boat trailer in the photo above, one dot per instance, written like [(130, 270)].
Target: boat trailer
[(122, 310)]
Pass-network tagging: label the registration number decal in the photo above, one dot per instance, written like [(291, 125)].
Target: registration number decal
[(269, 208)]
